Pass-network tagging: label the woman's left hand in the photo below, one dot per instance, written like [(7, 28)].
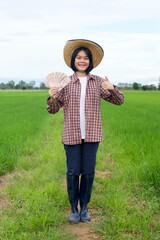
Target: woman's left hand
[(107, 85)]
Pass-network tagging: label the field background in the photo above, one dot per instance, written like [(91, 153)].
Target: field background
[(127, 184)]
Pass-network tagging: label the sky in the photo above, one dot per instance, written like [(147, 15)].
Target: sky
[(33, 34)]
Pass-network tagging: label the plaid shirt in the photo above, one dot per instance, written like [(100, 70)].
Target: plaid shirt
[(69, 99)]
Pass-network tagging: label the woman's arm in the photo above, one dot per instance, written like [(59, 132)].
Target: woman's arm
[(55, 101), (110, 93)]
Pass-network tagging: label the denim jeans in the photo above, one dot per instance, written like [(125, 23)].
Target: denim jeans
[(81, 158)]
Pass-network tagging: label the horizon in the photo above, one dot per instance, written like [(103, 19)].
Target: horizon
[(39, 81)]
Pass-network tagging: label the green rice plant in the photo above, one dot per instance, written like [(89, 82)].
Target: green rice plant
[(129, 199), (36, 191), (22, 115), (131, 135)]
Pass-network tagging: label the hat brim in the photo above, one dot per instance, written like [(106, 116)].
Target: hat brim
[(71, 45)]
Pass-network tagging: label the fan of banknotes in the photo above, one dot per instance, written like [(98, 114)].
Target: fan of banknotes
[(57, 79)]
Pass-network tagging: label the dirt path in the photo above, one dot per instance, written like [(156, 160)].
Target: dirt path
[(84, 231), (4, 202)]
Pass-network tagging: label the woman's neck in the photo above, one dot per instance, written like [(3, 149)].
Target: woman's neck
[(81, 74)]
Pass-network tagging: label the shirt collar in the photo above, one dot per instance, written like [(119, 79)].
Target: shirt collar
[(74, 77)]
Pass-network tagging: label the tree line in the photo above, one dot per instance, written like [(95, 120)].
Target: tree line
[(138, 86), (31, 85), (21, 85)]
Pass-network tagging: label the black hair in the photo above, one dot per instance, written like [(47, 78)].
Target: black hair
[(89, 54)]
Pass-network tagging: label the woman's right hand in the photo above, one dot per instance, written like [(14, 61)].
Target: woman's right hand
[(52, 91)]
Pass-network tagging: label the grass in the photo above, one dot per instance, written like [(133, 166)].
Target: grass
[(38, 199), (22, 114), (128, 200), (135, 130)]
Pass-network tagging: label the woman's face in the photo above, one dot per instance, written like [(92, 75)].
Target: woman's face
[(82, 61)]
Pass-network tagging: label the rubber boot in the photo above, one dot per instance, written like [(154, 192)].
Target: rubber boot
[(73, 194), (85, 195)]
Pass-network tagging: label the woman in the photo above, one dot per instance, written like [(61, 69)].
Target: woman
[(82, 132)]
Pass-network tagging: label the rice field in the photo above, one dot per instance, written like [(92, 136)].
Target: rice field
[(126, 192), (133, 131), (22, 115)]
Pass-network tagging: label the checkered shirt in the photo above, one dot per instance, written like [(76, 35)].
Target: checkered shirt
[(69, 99)]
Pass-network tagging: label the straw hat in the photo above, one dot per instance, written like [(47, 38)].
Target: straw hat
[(71, 45)]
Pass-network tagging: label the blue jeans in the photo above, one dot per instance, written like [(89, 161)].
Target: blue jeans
[(81, 158)]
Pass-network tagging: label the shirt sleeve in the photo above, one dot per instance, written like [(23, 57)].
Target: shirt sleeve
[(53, 105), (112, 96)]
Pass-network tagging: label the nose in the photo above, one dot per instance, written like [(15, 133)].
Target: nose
[(82, 60)]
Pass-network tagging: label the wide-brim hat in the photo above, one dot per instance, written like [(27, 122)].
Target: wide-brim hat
[(71, 45)]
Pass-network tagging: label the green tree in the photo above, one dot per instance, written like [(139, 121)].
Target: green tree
[(144, 87), (21, 85), (42, 85), (11, 84), (136, 86), (30, 85), (3, 85), (159, 85), (152, 87)]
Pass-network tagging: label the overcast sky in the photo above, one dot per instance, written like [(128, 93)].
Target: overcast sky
[(34, 32)]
